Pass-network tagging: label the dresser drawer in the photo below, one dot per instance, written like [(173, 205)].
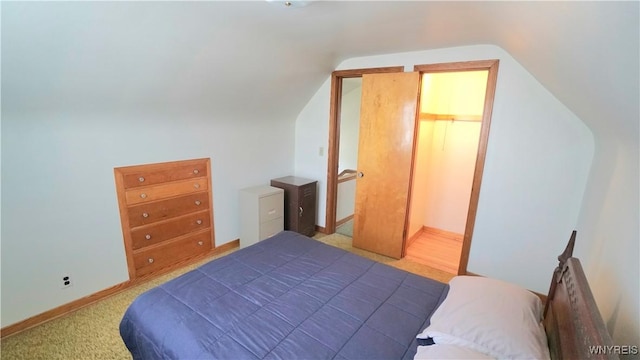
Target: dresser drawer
[(158, 192), (147, 213), (270, 228), (270, 207), (158, 257), (155, 233), (177, 172)]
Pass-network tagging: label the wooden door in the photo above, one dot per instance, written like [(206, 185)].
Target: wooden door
[(385, 149)]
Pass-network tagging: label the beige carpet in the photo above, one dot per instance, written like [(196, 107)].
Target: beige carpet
[(89, 333), (92, 332)]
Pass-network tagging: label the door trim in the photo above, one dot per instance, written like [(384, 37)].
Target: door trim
[(492, 67), (334, 136)]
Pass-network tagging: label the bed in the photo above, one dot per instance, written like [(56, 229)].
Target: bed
[(292, 297)]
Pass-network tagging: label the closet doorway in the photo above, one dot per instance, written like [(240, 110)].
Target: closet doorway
[(346, 88), (446, 147), (401, 240)]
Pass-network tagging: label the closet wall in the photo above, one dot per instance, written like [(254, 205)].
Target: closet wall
[(451, 107)]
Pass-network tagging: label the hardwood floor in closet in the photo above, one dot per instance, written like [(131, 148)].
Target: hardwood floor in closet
[(436, 248)]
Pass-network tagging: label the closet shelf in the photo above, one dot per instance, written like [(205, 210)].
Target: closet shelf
[(450, 117)]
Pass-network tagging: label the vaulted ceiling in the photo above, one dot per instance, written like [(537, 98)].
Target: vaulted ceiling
[(245, 59)]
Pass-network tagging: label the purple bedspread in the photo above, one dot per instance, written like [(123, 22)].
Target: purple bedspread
[(286, 297)]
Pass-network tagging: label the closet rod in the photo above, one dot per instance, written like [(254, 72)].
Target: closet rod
[(450, 117), (455, 120)]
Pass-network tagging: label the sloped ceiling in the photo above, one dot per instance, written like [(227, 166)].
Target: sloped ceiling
[(253, 59)]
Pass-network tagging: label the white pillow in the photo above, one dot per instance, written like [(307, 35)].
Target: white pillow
[(490, 316), (444, 351)]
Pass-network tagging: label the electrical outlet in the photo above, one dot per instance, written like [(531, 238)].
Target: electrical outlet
[(66, 281)]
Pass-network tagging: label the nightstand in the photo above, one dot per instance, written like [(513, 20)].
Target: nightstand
[(300, 203)]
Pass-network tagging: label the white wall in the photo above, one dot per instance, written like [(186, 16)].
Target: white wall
[(349, 129), (535, 174), (450, 169), (90, 87), (60, 212), (417, 205), (348, 150), (608, 235), (312, 133), (346, 199), (452, 147)]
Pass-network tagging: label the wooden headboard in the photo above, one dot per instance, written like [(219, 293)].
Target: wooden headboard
[(574, 326)]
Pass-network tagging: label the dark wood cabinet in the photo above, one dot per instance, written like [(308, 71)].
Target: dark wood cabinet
[(299, 203)]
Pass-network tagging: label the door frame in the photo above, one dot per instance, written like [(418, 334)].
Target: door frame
[(333, 152), (492, 67), (334, 138)]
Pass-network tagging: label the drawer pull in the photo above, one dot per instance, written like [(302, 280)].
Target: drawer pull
[(198, 202), (271, 212), (301, 211), (148, 237), (200, 243), (145, 215), (199, 222), (141, 179), (196, 171), (196, 185), (150, 260), (143, 195)]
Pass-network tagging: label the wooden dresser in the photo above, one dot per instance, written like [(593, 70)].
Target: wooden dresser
[(166, 213), (299, 203)]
